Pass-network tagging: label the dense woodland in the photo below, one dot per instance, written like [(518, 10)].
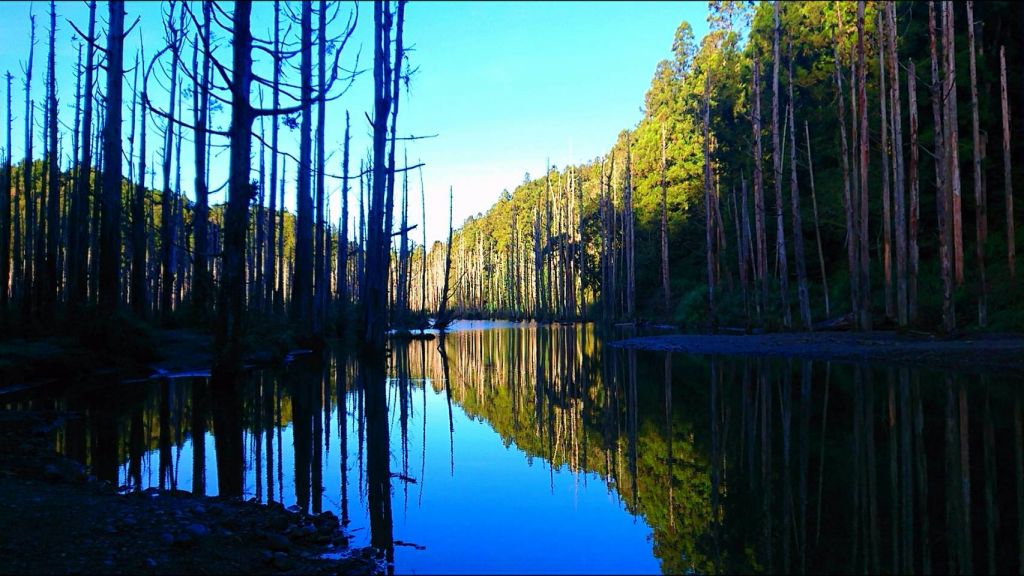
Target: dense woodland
[(802, 163), (841, 162)]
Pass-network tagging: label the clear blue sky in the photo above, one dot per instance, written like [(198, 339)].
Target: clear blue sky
[(505, 85)]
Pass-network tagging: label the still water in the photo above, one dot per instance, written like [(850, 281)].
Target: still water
[(519, 449)]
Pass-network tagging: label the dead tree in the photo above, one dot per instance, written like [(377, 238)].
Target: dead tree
[(980, 205), (849, 199), (950, 138), (443, 318), (167, 222), (862, 109), (780, 230), (386, 74), (1011, 238), (30, 217), (915, 203), (944, 201), (899, 182), (803, 297), (709, 207), (202, 283), (886, 173), (817, 227), (110, 227), (665, 290), (760, 238), (49, 282), (6, 256)]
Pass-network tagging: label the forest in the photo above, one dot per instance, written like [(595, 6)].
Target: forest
[(802, 166)]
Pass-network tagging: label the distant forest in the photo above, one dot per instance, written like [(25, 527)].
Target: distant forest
[(805, 164), (845, 163)]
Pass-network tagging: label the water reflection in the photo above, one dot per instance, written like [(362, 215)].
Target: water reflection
[(542, 450)]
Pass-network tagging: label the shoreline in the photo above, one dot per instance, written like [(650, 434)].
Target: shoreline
[(969, 353)]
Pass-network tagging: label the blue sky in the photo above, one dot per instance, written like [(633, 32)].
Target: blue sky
[(504, 85)]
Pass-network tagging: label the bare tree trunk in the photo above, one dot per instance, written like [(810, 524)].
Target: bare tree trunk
[(139, 293), (1011, 237), (760, 236), (890, 308), (709, 207), (6, 256), (862, 109), (798, 234), (980, 204), (167, 223), (627, 201), (202, 287), (951, 158), (50, 282), (817, 228), (665, 289), (915, 208), (270, 264), (899, 194), (443, 319), (780, 230), (110, 234), (302, 288), (320, 288), (30, 212), (952, 127), (343, 235), (944, 201), (231, 299)]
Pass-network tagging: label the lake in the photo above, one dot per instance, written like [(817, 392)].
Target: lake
[(517, 448)]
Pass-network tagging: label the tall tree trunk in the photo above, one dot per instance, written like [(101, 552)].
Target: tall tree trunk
[(890, 308), (951, 160), (110, 233), (760, 236), (980, 204), (139, 293), (709, 207), (302, 292), (50, 284), (6, 218), (665, 289), (798, 234), (320, 290), (30, 212), (862, 109), (780, 230), (443, 319), (817, 227), (1011, 237), (231, 301), (915, 203), (167, 222), (899, 182), (952, 128), (203, 287), (944, 201), (343, 235), (269, 268), (627, 202)]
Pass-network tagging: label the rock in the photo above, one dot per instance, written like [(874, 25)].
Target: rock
[(166, 539), (198, 509), (50, 472), (150, 563), (282, 561), (277, 542), (197, 530)]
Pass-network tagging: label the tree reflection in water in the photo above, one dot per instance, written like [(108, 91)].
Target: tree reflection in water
[(730, 464)]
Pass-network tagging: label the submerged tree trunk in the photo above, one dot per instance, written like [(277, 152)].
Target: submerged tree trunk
[(302, 288)]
